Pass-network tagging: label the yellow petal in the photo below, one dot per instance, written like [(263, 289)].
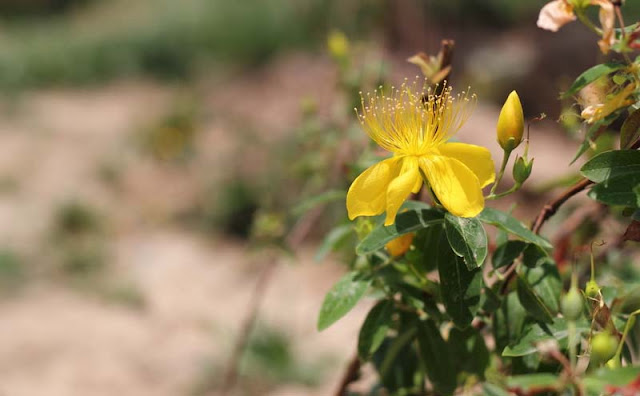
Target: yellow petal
[(476, 158), (367, 195), (400, 245), (400, 187), (457, 187)]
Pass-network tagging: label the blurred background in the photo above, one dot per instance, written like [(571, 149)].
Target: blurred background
[(161, 160)]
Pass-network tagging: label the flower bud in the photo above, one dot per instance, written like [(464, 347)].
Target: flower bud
[(592, 290), (603, 347), (522, 169), (338, 45), (571, 304), (400, 245), (510, 123)]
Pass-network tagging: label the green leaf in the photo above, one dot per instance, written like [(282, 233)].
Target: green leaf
[(590, 76), (460, 288), (342, 297), (328, 196), (545, 282), (611, 164), (508, 321), (375, 328), (532, 303), (332, 240), (397, 361), (617, 191), (528, 382), (539, 332), (409, 221), (506, 253), (469, 351), (436, 358), (467, 238), (597, 382), (490, 301), (493, 390), (508, 223), (630, 131), (587, 141)]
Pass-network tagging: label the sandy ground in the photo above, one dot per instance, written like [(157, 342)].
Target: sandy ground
[(56, 340)]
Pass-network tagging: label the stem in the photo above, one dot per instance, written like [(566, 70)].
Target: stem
[(550, 208), (505, 158), (513, 189), (573, 354), (630, 322), (587, 22)]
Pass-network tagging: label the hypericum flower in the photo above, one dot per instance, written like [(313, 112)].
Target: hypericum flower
[(510, 125), (400, 245), (415, 124)]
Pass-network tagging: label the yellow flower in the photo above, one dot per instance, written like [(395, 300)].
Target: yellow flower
[(510, 123), (400, 245), (415, 124)]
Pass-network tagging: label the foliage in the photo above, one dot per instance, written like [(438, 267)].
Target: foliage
[(460, 311)]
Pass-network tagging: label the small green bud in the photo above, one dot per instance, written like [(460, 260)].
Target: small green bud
[(571, 304), (522, 169), (510, 125), (603, 347), (592, 290)]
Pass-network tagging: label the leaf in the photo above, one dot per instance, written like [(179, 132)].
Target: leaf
[(508, 321), (539, 332), (611, 164), (508, 223), (328, 196), (467, 238), (529, 382), (545, 282), (532, 303), (469, 351), (617, 191), (460, 288), (494, 390), (506, 253), (375, 328), (597, 382), (630, 131), (333, 239), (342, 297), (590, 76), (409, 221), (436, 358), (587, 141), (397, 362)]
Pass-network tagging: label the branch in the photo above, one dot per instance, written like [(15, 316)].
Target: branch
[(350, 375), (552, 207)]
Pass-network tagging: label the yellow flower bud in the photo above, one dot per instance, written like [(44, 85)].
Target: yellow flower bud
[(338, 44), (400, 245), (510, 123)]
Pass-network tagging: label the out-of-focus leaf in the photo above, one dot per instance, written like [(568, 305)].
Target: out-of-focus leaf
[(597, 382), (539, 332), (467, 238), (630, 131), (328, 196), (510, 224), (469, 351), (494, 390), (333, 239), (590, 76), (342, 297), (375, 328), (409, 221), (460, 288), (508, 321), (528, 382), (545, 282)]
